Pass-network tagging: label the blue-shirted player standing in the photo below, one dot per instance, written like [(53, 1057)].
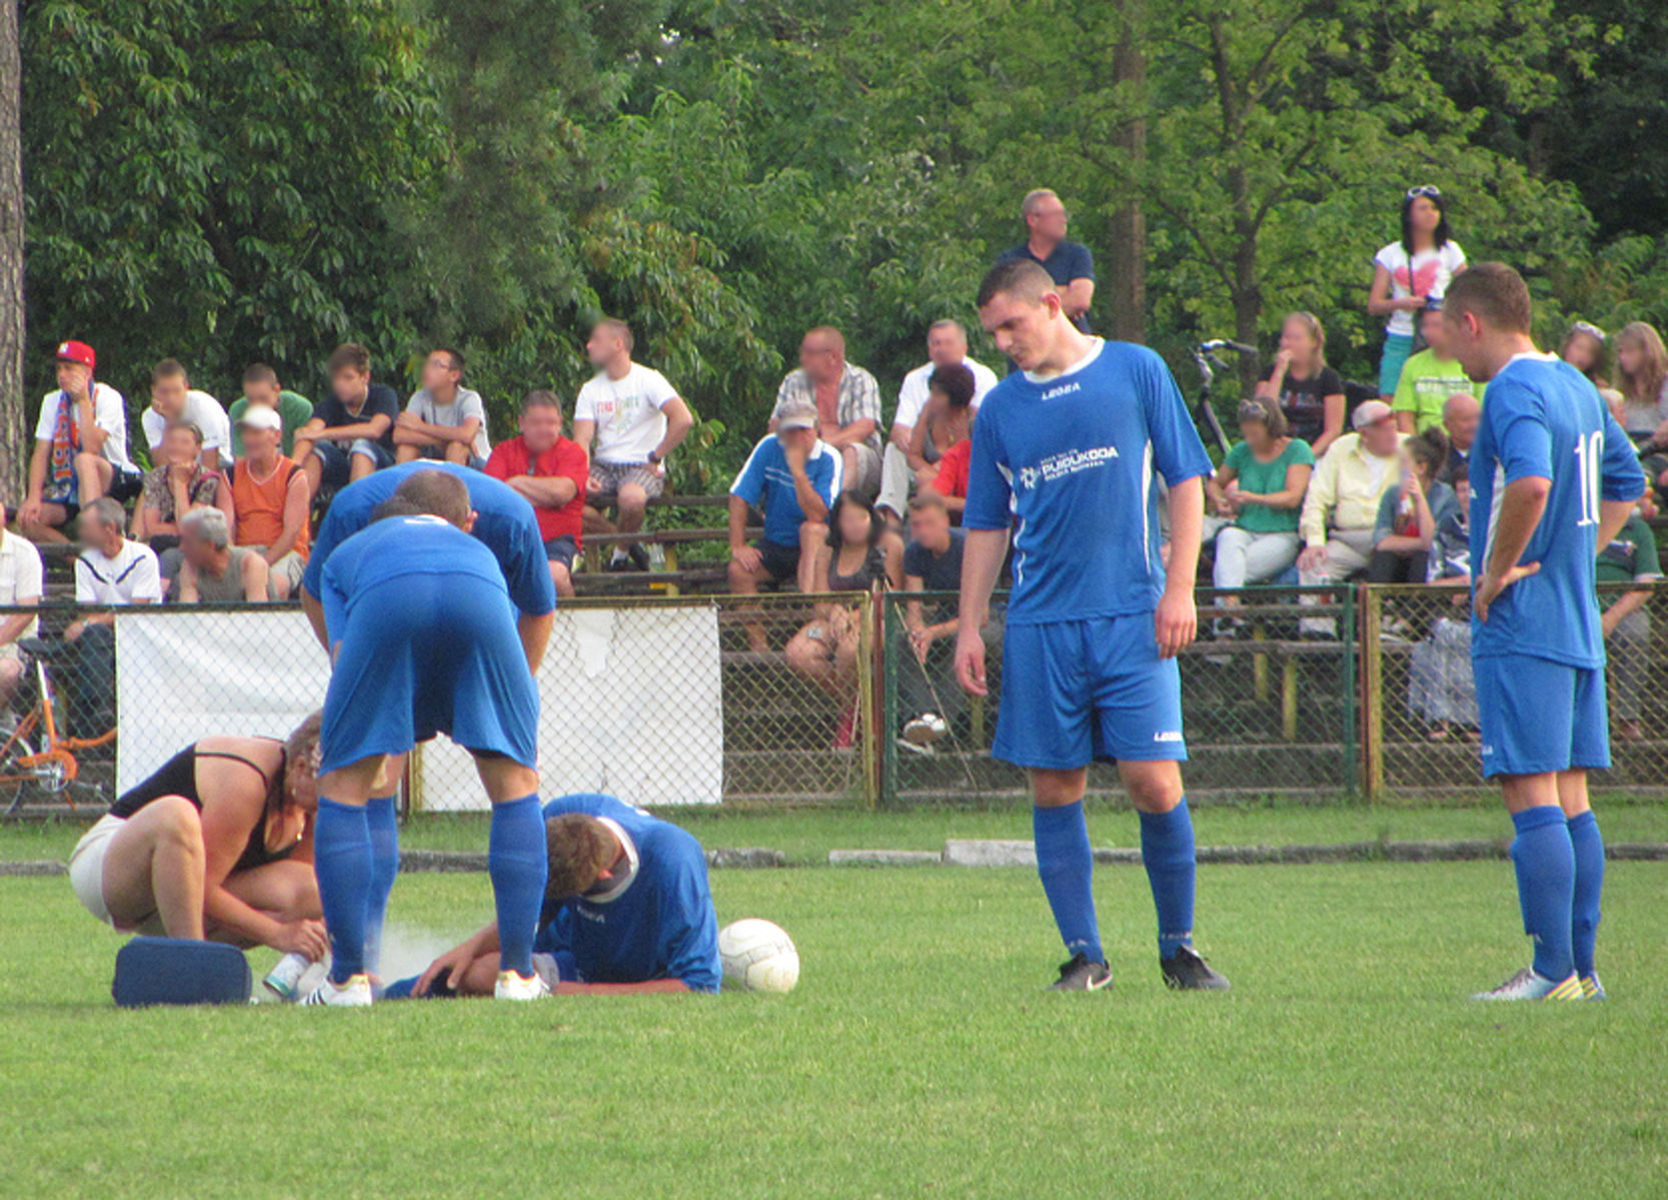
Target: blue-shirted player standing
[(1067, 452), (424, 640), (1553, 478), (507, 526), (627, 910)]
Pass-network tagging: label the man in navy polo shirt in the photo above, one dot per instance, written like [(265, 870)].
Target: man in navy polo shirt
[(1069, 264)]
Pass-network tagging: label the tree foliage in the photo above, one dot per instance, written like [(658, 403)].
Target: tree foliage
[(228, 180)]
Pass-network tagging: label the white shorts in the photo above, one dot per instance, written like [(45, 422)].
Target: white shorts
[(86, 872)]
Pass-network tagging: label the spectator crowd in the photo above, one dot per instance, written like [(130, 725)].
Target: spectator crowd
[(831, 499)]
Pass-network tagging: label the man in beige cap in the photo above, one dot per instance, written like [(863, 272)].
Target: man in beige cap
[(794, 476)]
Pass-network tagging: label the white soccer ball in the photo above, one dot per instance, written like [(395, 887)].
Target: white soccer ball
[(758, 956)]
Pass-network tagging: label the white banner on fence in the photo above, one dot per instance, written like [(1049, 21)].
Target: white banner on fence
[(184, 676), (633, 705), (632, 699)]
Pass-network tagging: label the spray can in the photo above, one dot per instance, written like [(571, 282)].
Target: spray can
[(284, 977)]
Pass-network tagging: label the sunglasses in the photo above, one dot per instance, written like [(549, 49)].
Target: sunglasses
[(1588, 327), (1429, 190)]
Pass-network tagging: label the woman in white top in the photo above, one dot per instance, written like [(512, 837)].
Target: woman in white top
[(1409, 272)]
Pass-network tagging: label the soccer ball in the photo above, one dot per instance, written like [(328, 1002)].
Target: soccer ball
[(758, 956)]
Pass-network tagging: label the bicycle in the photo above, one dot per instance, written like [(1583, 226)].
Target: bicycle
[(45, 763), (1205, 359)]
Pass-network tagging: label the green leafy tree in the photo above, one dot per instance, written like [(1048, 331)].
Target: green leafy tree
[(209, 180)]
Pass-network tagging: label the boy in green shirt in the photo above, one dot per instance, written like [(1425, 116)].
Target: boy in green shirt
[(1630, 558), (260, 386), (1429, 378)]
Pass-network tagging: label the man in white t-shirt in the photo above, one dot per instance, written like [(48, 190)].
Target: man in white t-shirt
[(946, 347), (174, 399), (110, 571), (637, 419), (80, 448), (444, 420), (20, 587)]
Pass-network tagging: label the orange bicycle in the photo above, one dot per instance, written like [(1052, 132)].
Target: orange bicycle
[(36, 759)]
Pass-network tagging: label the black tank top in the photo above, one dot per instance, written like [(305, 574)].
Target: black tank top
[(178, 777), (860, 580)]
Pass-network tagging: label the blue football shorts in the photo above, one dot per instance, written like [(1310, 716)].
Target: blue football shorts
[(1076, 691), (1538, 715), (424, 654)]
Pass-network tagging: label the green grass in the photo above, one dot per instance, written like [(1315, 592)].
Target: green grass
[(806, 836), (917, 1058)]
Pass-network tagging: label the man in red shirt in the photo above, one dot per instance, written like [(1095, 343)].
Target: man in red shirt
[(950, 400), (551, 472)]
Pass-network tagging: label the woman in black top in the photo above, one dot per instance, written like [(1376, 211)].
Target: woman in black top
[(1310, 393), (860, 555), (216, 843)]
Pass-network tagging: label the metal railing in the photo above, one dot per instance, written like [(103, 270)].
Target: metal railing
[(785, 699)]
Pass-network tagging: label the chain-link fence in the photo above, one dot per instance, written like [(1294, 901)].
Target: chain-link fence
[(1420, 702), (666, 701), (758, 701), (1268, 700)]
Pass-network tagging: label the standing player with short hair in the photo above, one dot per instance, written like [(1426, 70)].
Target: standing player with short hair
[(1065, 451), (504, 522), (423, 640), (1553, 478)]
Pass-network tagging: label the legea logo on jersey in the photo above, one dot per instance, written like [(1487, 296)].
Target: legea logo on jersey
[(1069, 462), (1168, 735), (1065, 389)]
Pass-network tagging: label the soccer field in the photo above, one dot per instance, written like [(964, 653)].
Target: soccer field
[(918, 1056)]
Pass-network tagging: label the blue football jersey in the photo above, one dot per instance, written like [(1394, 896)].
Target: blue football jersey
[(662, 926), (504, 522), (1542, 418), (765, 480), (403, 546), (1072, 464)]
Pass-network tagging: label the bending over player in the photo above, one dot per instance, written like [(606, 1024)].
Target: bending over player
[(1065, 451), (1553, 478), (506, 525), (424, 642), (627, 909), (217, 843)]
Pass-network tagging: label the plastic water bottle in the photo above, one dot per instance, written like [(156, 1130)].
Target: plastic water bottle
[(284, 977)]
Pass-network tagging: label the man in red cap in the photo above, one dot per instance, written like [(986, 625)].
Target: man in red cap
[(80, 448)]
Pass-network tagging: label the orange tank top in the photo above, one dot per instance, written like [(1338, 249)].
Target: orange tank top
[(260, 506)]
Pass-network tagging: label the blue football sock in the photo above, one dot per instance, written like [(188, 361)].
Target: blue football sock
[(1066, 864), (1167, 853), (342, 862), (519, 864), (1545, 863), (1588, 845), (383, 822)]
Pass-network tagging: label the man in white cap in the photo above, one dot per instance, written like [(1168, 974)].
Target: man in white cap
[(271, 499), (1342, 505)]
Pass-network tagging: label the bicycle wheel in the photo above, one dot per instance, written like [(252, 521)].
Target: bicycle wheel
[(15, 781)]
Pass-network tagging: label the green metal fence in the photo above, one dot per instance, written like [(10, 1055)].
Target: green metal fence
[(1269, 702)]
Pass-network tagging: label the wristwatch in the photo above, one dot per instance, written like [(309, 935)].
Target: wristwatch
[(654, 458)]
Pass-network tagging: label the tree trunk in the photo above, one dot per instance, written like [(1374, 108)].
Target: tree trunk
[(14, 449), (1248, 305), (1128, 282)]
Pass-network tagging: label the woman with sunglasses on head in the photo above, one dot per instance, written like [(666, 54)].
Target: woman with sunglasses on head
[(1587, 348), (1309, 393), (1260, 486), (860, 554), (1408, 272)]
